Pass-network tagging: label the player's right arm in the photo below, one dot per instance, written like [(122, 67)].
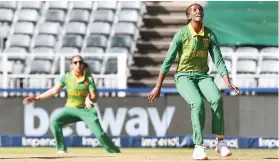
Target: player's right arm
[(54, 90), (171, 55), (49, 93)]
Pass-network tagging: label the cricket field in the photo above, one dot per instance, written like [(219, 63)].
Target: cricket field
[(28, 154)]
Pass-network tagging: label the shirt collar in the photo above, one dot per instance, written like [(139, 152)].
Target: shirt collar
[(193, 32), (78, 80)]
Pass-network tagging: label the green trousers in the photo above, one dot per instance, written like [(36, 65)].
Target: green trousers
[(90, 117), (193, 87)]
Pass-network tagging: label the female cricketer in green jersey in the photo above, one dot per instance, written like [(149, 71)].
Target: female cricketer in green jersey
[(192, 44), (79, 107)]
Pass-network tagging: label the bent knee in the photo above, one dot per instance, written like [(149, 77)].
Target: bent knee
[(54, 122), (198, 104)]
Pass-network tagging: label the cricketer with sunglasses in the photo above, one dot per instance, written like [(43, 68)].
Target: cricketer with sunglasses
[(79, 105)]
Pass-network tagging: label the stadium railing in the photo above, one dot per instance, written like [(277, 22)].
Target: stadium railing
[(116, 84), (22, 78)]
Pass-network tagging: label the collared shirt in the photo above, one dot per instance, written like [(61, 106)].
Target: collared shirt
[(192, 49), (77, 88)]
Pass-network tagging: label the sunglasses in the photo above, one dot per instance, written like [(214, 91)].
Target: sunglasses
[(76, 62)]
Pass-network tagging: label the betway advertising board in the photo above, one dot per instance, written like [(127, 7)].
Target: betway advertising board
[(135, 116)]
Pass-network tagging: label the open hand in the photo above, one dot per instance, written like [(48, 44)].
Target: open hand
[(155, 93), (28, 100), (88, 103)]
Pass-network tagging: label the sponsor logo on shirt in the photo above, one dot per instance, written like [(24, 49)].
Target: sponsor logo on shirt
[(77, 93), (195, 53)]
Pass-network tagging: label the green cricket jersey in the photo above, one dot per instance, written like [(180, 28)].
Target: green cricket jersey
[(77, 89), (192, 49)]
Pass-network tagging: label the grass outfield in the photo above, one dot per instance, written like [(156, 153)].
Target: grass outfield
[(129, 155)]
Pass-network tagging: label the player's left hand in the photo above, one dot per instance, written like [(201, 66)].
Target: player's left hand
[(155, 93), (88, 103), (234, 88)]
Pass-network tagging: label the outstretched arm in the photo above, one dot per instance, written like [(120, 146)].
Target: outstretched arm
[(50, 93)]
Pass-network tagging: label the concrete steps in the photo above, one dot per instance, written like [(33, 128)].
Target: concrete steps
[(162, 21)]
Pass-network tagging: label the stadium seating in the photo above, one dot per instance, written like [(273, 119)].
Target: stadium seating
[(253, 68), (51, 28)]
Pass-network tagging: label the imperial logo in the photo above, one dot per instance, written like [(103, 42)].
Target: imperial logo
[(270, 143), (93, 142), (211, 143), (38, 142), (160, 142)]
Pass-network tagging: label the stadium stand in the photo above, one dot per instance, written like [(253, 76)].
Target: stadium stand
[(41, 35)]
